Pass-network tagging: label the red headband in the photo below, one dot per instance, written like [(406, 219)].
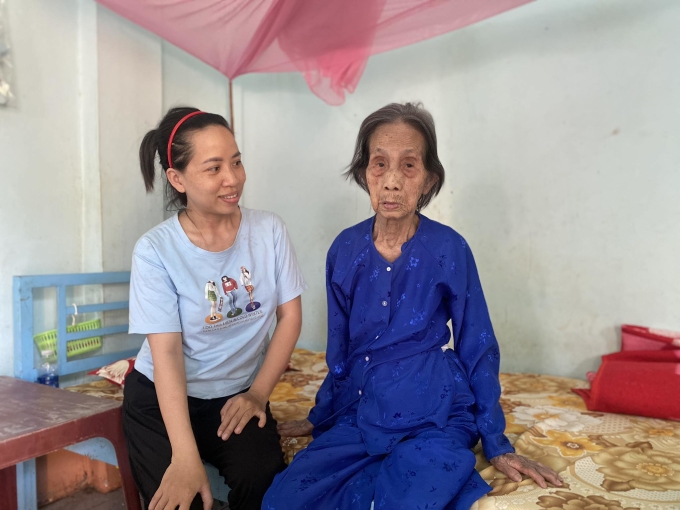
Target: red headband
[(174, 131)]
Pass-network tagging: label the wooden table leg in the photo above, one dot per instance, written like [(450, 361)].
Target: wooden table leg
[(8, 488), (132, 499), (114, 433)]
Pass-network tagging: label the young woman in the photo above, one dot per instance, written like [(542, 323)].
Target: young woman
[(203, 376)]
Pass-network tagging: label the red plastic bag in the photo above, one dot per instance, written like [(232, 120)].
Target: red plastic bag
[(643, 383)]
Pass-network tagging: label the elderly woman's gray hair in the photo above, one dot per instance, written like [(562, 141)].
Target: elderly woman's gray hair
[(415, 116)]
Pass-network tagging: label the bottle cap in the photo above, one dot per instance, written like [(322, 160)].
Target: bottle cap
[(47, 353)]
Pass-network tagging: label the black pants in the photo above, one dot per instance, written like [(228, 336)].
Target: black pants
[(248, 461)]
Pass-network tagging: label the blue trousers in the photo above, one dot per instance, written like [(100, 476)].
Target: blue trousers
[(433, 469)]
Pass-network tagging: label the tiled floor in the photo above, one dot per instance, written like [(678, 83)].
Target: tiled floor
[(91, 500)]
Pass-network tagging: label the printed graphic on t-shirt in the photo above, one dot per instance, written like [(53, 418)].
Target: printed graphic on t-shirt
[(242, 319), (229, 285), (229, 288), (211, 295), (247, 282)]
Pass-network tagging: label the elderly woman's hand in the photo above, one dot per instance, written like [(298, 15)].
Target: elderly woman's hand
[(295, 428), (514, 466)]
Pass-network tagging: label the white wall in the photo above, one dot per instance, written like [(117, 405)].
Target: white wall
[(558, 127), (39, 154), (89, 84)]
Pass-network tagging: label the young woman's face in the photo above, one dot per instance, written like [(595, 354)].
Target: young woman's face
[(214, 178)]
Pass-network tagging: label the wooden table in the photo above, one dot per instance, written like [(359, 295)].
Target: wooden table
[(37, 419)]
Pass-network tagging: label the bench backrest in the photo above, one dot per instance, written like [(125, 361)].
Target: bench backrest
[(24, 307)]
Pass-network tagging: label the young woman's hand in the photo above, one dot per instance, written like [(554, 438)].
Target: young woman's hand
[(238, 411), (514, 466), (181, 482), (295, 428)]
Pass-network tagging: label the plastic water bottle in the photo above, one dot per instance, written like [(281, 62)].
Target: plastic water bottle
[(47, 373)]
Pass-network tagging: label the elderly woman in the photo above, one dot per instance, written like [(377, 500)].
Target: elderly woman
[(399, 411)]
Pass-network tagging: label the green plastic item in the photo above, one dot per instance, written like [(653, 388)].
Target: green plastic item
[(47, 341)]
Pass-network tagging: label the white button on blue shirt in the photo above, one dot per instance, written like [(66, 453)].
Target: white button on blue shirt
[(384, 303)]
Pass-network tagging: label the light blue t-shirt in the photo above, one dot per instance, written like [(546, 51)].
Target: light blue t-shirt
[(223, 303)]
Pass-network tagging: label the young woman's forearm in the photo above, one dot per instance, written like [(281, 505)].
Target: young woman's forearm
[(286, 334), (171, 388)]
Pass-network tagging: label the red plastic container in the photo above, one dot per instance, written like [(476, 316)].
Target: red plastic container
[(639, 338)]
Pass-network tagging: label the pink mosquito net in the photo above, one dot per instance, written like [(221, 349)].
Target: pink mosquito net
[(328, 41)]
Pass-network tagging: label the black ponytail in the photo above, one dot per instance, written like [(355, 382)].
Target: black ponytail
[(155, 142), (147, 159)]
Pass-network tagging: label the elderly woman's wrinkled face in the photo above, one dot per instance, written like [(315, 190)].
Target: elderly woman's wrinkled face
[(396, 175)]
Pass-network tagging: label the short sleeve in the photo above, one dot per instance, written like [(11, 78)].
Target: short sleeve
[(154, 306), (290, 282)]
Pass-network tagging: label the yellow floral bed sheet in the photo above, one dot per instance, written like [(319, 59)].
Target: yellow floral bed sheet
[(607, 461)]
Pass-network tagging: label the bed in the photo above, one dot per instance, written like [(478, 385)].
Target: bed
[(608, 461)]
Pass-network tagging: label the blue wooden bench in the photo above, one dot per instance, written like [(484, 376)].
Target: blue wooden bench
[(25, 356)]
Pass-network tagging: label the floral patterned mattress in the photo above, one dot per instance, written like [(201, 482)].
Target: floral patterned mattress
[(607, 461)]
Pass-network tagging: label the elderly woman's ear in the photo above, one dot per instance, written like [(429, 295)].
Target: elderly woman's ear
[(432, 180)]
